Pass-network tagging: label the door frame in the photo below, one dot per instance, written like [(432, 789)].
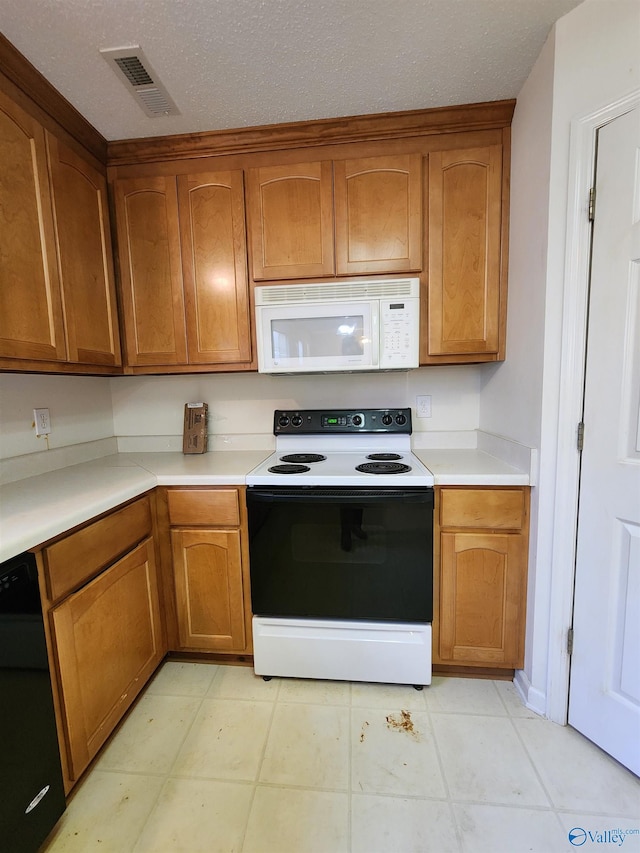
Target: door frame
[(582, 154)]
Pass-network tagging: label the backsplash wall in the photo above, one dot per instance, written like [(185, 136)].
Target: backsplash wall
[(80, 409), (87, 409), (241, 405)]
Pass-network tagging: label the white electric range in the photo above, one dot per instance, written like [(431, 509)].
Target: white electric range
[(341, 549)]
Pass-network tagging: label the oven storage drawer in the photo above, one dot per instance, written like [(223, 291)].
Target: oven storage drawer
[(342, 553)]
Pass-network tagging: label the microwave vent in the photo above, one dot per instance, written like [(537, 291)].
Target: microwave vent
[(339, 291)]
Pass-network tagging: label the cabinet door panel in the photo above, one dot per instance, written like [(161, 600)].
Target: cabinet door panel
[(150, 270), (465, 204), (291, 210), (378, 214), (214, 265), (108, 642), (31, 319), (481, 598), (209, 589), (85, 257)]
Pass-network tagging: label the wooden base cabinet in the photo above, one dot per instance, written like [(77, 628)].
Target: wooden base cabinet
[(99, 588), (209, 594), (210, 569), (481, 584), (108, 642)]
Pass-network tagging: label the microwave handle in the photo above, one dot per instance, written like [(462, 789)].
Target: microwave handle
[(375, 334)]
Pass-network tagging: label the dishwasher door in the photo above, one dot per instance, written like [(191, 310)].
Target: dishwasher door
[(31, 787)]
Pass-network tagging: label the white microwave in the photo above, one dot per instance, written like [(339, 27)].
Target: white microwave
[(338, 326)]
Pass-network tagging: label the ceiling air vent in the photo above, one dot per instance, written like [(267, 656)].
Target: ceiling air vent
[(135, 71)]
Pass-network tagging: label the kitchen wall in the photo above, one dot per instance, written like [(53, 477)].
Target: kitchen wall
[(80, 409), (241, 405), (95, 409), (590, 61)]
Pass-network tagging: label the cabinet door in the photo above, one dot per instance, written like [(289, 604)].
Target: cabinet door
[(378, 214), (31, 320), (291, 221), (150, 270), (209, 591), (464, 236), (108, 642), (214, 265), (482, 599), (85, 257)]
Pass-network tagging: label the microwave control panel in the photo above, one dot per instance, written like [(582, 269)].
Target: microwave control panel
[(399, 333)]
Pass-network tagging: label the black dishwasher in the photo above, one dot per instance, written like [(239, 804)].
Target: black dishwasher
[(31, 788)]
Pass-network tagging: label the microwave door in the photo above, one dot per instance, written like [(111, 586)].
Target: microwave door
[(317, 338)]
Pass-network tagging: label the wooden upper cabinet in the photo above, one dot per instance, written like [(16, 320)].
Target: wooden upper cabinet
[(378, 214), (150, 270), (31, 318), (85, 257), (464, 238), (291, 221), (211, 208)]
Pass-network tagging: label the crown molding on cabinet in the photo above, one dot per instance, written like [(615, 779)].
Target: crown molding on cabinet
[(332, 131), (25, 84)]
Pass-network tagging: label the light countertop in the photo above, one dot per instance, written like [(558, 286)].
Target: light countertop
[(470, 468), (38, 508)]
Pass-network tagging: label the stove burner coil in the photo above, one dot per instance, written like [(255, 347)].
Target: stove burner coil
[(289, 469), (304, 457), (383, 468), (384, 457)]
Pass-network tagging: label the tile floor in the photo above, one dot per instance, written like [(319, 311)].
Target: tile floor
[(213, 758)]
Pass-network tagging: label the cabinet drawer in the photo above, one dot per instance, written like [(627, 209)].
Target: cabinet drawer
[(211, 507), (502, 509), (78, 557)]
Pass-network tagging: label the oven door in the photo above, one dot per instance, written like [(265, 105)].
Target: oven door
[(340, 553)]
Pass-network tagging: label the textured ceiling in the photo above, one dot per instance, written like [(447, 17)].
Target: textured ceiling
[(236, 63)]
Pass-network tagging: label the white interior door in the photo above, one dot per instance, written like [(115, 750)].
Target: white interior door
[(604, 694)]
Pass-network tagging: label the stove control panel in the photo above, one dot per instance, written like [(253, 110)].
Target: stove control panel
[(343, 421)]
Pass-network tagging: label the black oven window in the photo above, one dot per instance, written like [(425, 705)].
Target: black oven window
[(367, 559)]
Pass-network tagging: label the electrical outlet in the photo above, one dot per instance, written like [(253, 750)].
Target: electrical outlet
[(42, 421), (423, 405)]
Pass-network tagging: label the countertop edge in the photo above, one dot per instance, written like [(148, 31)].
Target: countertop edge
[(29, 524)]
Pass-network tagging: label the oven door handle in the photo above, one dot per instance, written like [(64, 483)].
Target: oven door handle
[(340, 496)]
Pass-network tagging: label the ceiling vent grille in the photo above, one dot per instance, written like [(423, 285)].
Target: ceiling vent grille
[(135, 71)]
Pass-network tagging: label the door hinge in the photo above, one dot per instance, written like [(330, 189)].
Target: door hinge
[(592, 204), (570, 641), (580, 436)]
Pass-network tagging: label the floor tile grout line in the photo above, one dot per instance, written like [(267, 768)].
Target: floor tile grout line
[(256, 779), (445, 782), (167, 775), (532, 762), (350, 776)]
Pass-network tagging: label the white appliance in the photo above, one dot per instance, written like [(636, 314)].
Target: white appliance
[(341, 549), (338, 326)]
